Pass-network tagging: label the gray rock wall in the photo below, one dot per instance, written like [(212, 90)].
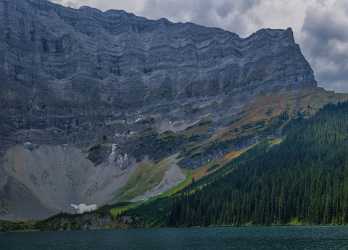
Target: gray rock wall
[(79, 78)]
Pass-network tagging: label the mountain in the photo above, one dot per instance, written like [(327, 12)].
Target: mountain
[(301, 178), (304, 179), (104, 107)]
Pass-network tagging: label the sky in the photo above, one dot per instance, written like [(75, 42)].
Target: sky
[(320, 26)]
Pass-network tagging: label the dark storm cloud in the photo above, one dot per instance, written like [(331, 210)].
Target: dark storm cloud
[(320, 26), (325, 40)]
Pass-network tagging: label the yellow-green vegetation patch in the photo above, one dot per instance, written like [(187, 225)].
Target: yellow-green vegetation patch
[(147, 176), (180, 186), (276, 141), (121, 208), (199, 173), (295, 222)]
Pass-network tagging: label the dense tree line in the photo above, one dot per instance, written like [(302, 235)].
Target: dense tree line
[(304, 179)]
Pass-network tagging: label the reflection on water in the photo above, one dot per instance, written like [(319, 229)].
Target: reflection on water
[(297, 238)]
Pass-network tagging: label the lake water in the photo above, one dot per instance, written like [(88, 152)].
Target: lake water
[(266, 238)]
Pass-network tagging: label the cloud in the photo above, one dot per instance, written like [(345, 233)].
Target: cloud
[(319, 25), (218, 13), (325, 39)]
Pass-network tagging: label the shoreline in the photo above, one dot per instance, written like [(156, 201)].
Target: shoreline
[(181, 228)]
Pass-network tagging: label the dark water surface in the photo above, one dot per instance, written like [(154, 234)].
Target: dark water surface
[(308, 238)]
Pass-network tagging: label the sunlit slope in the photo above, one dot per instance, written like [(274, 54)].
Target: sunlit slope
[(304, 179)]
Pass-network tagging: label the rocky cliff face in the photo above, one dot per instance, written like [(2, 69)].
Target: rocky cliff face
[(90, 93)]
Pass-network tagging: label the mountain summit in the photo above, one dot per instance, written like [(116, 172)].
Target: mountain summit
[(79, 54), (99, 107)]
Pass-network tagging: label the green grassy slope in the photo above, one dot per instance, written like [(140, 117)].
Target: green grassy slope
[(303, 179), (230, 181)]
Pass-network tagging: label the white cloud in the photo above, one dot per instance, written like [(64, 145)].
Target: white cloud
[(319, 25)]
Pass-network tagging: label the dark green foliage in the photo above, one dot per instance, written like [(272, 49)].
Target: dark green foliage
[(304, 179), (7, 226), (153, 213)]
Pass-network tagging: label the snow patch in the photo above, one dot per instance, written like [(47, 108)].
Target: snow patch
[(83, 208)]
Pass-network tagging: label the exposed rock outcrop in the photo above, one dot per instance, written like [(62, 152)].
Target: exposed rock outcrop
[(86, 94)]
